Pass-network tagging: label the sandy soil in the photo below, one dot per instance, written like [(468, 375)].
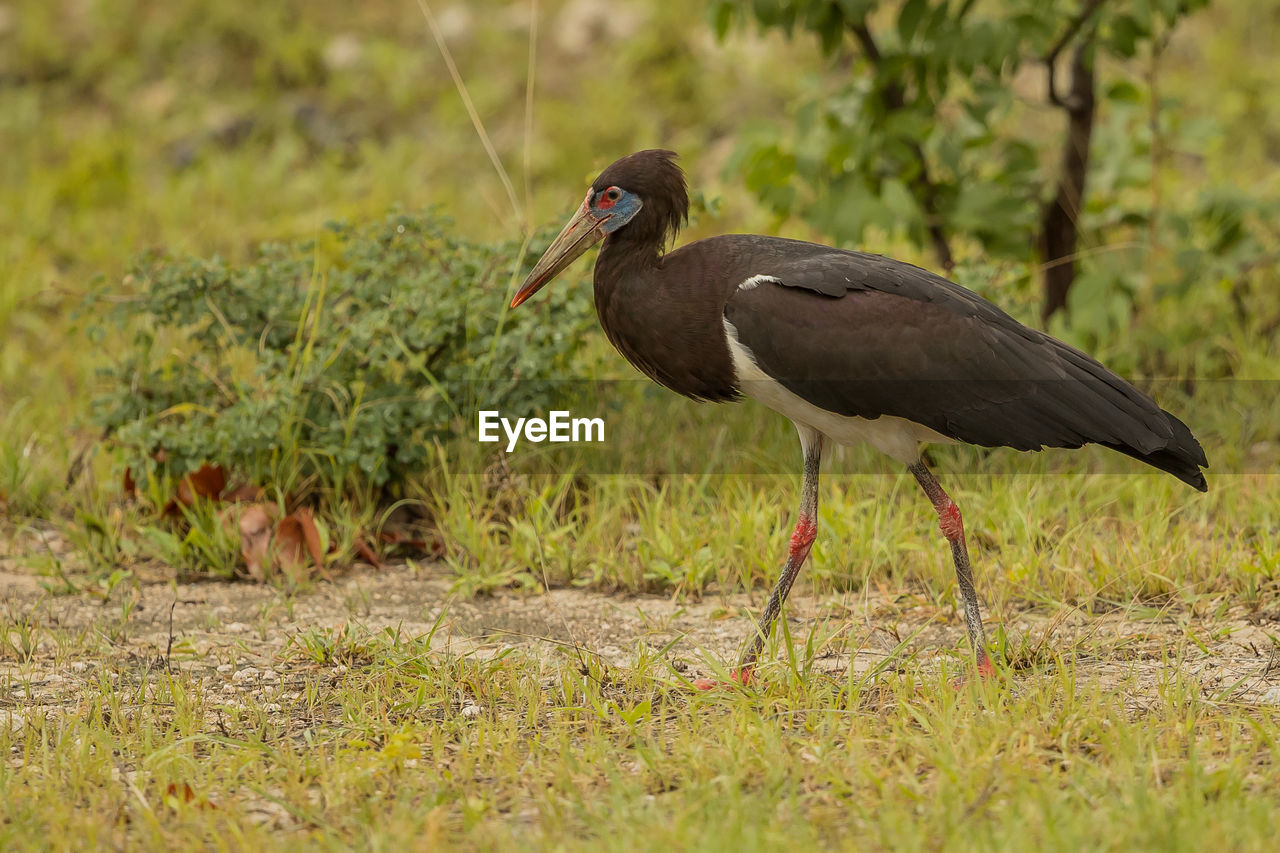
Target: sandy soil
[(233, 636)]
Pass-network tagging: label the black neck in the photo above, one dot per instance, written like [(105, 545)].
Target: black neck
[(666, 316), (622, 258)]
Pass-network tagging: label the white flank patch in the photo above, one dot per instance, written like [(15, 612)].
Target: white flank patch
[(755, 281), (898, 438)]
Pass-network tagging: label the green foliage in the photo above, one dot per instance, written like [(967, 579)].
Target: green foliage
[(930, 130), (22, 492), (204, 545), (344, 358)]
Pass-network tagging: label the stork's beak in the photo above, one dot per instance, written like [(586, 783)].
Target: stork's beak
[(582, 232)]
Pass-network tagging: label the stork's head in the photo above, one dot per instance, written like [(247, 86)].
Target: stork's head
[(639, 199)]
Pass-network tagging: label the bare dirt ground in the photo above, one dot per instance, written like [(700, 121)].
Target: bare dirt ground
[(235, 638)]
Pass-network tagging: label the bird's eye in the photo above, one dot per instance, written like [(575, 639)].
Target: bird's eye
[(608, 198)]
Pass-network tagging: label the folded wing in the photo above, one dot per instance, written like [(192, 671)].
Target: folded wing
[(862, 335)]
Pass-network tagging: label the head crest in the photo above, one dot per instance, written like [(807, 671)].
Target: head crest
[(653, 176)]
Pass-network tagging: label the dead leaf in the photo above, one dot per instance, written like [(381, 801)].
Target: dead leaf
[(364, 552), (297, 538), (208, 482), (244, 494), (312, 533), (185, 794), (176, 794), (255, 525), (130, 487)]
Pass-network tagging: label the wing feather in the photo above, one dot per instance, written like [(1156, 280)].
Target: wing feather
[(867, 336)]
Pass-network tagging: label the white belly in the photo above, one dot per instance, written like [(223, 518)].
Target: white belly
[(892, 436)]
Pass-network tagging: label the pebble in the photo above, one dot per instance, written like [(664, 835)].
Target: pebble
[(242, 675)]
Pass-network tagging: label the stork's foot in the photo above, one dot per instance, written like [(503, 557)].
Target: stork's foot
[(984, 671), (737, 678)]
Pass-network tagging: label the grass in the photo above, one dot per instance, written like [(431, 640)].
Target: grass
[(212, 128), (378, 739), (369, 739)]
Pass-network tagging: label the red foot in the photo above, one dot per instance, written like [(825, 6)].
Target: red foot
[(984, 670), (737, 678)]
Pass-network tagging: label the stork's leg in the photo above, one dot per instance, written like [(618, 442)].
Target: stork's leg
[(952, 526), (801, 541)]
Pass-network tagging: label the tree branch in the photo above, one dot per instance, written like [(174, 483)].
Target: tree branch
[(863, 35), (1060, 219), (894, 96), (1051, 58)]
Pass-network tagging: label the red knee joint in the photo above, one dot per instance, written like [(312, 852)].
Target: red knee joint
[(802, 537), (950, 522)]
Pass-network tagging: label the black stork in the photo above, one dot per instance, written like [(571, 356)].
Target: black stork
[(850, 346)]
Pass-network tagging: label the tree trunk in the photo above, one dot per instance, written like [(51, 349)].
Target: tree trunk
[(1058, 223)]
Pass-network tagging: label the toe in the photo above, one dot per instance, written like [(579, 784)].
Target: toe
[(738, 678)]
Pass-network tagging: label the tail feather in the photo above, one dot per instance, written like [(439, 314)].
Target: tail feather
[(1183, 457)]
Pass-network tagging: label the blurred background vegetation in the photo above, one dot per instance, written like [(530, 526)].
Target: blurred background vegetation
[(193, 129)]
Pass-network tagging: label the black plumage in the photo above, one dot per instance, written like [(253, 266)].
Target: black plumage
[(865, 336), (836, 339)]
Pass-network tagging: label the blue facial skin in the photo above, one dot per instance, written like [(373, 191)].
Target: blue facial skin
[(620, 212)]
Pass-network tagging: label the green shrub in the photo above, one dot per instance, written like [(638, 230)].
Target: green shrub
[(334, 362)]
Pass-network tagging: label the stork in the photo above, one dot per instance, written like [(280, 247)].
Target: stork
[(852, 347)]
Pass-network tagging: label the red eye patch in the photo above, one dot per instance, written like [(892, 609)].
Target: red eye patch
[(604, 202)]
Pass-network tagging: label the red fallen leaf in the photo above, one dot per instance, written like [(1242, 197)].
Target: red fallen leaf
[(208, 482), (184, 794), (255, 525), (297, 538), (244, 494), (364, 552), (130, 487), (313, 537)]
